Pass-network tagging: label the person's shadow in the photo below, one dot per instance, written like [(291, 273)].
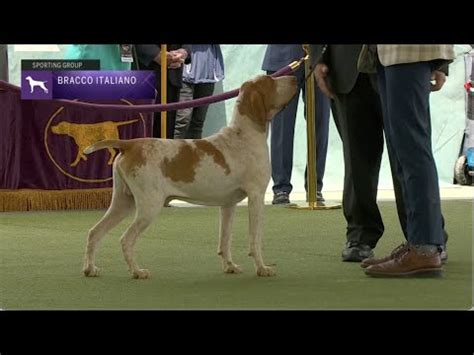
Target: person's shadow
[(216, 115)]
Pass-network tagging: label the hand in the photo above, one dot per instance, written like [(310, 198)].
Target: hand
[(439, 79), (169, 58), (178, 58), (321, 74), (180, 53)]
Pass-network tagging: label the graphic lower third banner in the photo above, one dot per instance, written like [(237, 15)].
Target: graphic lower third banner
[(87, 85)]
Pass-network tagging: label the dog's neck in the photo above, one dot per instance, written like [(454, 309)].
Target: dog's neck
[(248, 127)]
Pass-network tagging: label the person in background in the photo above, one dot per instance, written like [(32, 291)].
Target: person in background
[(199, 78), (148, 57), (111, 56), (283, 126)]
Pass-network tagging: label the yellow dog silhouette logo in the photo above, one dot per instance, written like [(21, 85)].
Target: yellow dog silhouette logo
[(85, 135)]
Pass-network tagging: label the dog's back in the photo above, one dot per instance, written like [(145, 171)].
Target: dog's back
[(198, 170)]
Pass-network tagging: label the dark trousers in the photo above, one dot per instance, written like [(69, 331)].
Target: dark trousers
[(404, 91), (282, 137), (172, 96), (358, 118), (190, 121)]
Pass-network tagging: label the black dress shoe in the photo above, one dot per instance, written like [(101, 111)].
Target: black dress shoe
[(281, 198), (356, 252)]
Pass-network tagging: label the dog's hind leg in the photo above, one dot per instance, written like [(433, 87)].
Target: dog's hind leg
[(255, 207), (225, 240), (121, 206), (147, 209)]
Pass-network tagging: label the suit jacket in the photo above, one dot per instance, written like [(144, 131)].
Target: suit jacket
[(346, 61), (341, 60), (279, 55), (145, 55)]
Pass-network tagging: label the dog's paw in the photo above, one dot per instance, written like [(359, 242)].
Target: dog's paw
[(266, 271), (232, 269), (91, 271), (141, 274)]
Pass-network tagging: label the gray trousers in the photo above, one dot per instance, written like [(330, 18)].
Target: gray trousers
[(190, 121)]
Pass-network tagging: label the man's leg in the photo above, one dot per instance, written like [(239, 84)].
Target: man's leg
[(394, 166), (358, 119), (409, 122), (397, 186), (198, 116), (183, 116), (173, 96), (404, 91), (282, 135)]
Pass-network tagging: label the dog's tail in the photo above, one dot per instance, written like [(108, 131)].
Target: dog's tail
[(108, 143)]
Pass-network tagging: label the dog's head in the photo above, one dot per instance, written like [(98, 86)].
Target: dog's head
[(262, 98), (61, 128), (28, 78)]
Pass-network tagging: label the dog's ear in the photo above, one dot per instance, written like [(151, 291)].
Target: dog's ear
[(257, 101), (252, 104), (266, 89)]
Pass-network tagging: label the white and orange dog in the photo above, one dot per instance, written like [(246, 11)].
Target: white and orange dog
[(220, 170)]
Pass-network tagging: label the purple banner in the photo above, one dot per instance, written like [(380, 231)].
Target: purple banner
[(88, 85)]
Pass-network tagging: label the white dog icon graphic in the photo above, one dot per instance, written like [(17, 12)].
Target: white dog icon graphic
[(33, 83)]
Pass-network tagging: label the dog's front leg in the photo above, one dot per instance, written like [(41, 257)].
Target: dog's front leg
[(255, 206), (225, 240)]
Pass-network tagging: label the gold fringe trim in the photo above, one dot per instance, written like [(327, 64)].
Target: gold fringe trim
[(38, 200)]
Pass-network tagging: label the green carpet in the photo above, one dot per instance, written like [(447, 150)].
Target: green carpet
[(41, 256)]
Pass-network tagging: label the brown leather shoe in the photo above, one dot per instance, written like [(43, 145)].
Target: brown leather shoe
[(395, 253), (411, 262)]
